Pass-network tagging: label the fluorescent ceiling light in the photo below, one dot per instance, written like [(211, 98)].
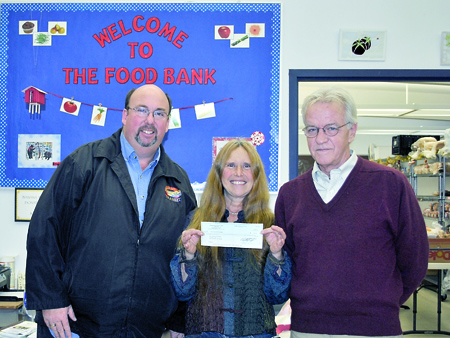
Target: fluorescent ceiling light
[(430, 113), (398, 132), (383, 110), (393, 132)]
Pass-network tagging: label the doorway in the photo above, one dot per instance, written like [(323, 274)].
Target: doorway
[(387, 80)]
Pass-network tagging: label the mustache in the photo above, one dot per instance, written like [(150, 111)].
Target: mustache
[(147, 126)]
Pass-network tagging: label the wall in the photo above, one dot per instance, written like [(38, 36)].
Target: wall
[(310, 40)]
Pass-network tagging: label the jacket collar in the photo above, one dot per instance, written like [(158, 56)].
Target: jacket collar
[(110, 148)]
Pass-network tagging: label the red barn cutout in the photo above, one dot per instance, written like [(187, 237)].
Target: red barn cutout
[(34, 97)]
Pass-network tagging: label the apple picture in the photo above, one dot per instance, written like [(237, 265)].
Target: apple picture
[(224, 32), (70, 107)]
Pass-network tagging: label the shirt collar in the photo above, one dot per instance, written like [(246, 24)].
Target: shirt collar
[(343, 171), (128, 151)]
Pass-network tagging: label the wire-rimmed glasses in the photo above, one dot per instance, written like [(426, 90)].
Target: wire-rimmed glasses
[(144, 112), (330, 130)]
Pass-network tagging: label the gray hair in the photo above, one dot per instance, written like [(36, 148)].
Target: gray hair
[(333, 95)]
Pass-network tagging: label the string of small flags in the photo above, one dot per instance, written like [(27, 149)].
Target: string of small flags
[(35, 97)]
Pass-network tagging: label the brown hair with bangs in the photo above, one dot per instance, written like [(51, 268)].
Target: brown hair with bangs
[(212, 203)]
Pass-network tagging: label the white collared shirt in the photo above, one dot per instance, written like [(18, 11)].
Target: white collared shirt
[(328, 187)]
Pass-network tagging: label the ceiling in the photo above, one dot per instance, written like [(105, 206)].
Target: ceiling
[(393, 99), (393, 107)]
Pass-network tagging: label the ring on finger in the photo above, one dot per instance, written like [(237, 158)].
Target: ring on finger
[(53, 325)]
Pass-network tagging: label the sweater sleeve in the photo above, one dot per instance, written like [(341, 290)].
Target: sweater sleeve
[(280, 220), (412, 242), (277, 278), (183, 276)]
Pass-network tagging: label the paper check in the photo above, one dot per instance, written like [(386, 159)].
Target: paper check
[(237, 235)]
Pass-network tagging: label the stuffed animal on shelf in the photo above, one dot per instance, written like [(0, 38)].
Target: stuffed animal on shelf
[(426, 168), (426, 147), (445, 150)]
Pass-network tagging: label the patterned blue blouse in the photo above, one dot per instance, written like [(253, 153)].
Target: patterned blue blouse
[(277, 277)]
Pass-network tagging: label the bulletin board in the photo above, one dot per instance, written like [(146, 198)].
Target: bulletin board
[(65, 69)]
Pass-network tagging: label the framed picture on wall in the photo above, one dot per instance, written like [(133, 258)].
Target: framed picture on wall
[(219, 142), (445, 48), (26, 200), (38, 150), (361, 45)]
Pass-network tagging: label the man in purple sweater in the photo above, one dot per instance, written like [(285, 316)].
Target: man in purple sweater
[(355, 231)]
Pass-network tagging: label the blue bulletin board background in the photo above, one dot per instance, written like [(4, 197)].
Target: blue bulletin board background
[(107, 49)]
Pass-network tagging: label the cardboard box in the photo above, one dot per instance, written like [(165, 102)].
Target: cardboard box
[(439, 250)]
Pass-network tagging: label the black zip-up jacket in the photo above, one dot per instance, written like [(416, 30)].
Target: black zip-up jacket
[(86, 248)]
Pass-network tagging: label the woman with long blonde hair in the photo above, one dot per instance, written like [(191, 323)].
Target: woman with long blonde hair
[(230, 291)]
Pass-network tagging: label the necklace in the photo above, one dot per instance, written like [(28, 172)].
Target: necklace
[(233, 213)]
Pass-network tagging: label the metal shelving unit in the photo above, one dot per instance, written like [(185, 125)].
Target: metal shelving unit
[(432, 282), (440, 198)]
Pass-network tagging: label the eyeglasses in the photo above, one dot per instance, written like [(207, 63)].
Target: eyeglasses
[(329, 130), (144, 112)]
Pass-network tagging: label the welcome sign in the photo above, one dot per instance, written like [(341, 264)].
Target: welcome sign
[(65, 70)]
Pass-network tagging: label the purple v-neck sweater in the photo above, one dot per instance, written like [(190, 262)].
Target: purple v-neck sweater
[(357, 258)]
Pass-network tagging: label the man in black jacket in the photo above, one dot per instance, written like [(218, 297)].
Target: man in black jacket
[(104, 230)]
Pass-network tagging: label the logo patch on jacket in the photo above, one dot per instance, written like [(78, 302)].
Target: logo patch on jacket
[(173, 194)]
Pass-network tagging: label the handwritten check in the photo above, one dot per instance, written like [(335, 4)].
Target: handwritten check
[(232, 235)]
